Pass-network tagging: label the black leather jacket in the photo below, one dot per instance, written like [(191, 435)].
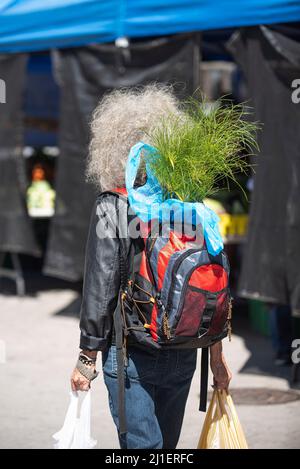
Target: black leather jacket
[(101, 273)]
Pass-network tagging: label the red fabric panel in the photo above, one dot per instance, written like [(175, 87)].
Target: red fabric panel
[(120, 190), (153, 325), (174, 244), (144, 268), (194, 304), (211, 277), (220, 317)]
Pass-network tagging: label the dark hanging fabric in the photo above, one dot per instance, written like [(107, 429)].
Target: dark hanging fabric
[(16, 231), (270, 270), (84, 75)]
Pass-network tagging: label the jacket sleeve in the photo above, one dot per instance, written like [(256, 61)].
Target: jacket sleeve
[(101, 280)]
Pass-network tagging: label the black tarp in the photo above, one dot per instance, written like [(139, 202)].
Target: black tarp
[(270, 270), (84, 75), (16, 232)]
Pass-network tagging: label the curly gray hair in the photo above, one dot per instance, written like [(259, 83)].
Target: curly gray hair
[(121, 119)]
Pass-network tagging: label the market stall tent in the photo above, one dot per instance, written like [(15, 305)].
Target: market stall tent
[(28, 25)]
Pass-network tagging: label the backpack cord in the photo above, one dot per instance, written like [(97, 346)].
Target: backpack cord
[(121, 333)]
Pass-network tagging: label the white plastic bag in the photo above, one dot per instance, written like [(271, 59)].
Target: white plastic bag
[(76, 432)]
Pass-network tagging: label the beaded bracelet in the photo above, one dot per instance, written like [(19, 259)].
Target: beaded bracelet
[(87, 372), (86, 360)]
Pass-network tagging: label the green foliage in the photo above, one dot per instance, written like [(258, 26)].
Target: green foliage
[(200, 147)]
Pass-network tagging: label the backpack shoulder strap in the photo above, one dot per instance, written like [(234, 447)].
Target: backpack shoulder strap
[(139, 243), (120, 193)]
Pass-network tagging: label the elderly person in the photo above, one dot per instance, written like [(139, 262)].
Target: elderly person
[(157, 381)]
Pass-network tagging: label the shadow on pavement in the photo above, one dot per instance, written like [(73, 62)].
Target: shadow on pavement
[(261, 360), (71, 310), (36, 282)]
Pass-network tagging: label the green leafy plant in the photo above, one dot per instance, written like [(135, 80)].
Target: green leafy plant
[(201, 146)]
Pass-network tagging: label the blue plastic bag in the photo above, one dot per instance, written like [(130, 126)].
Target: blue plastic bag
[(147, 201)]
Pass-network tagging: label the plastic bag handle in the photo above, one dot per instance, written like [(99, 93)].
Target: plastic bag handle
[(133, 163)]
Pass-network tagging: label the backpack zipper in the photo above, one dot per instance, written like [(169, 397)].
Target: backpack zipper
[(152, 244), (166, 326), (229, 318)]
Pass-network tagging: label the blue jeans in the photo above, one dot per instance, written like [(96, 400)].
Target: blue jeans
[(157, 386), (281, 329)]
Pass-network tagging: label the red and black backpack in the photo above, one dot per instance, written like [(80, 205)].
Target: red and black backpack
[(174, 294)]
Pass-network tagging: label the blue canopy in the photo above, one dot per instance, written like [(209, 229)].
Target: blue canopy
[(27, 25)]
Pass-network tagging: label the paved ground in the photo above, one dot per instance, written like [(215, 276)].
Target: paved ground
[(40, 333)]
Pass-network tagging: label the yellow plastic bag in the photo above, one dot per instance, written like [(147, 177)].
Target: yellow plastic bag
[(222, 428)]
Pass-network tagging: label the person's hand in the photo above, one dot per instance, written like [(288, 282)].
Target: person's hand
[(219, 367), (221, 372), (79, 382)]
